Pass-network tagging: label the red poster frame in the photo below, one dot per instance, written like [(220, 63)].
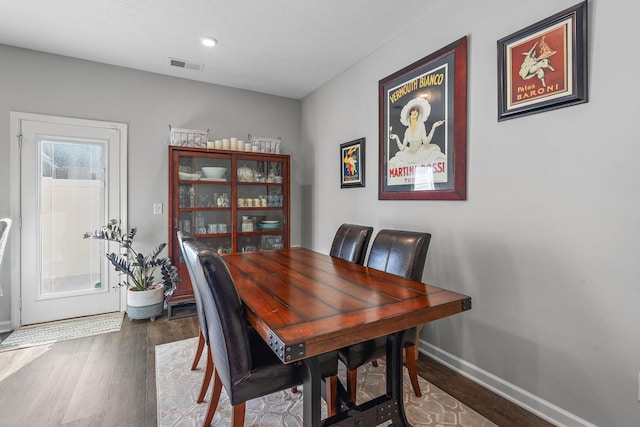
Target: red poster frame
[(426, 164)]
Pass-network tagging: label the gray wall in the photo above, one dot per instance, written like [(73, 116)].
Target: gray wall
[(547, 242), (48, 84)]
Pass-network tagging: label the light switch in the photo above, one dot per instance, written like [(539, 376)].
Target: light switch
[(157, 208)]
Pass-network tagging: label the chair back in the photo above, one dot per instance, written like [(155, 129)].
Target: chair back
[(223, 311), (402, 253), (183, 237), (351, 242)]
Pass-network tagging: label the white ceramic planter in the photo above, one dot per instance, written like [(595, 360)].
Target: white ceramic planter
[(145, 304)]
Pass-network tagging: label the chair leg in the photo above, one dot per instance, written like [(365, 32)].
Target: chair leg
[(215, 397), (196, 359), (410, 361), (331, 395), (207, 376), (352, 384), (237, 418)]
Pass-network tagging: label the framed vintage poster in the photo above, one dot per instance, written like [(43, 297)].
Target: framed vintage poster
[(423, 128), (544, 66), (352, 157)]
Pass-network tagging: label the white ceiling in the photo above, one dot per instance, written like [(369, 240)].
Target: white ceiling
[(281, 47)]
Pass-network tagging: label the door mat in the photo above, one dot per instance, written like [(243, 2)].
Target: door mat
[(177, 388), (62, 330)]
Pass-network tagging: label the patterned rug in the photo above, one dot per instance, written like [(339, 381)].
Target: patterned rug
[(63, 330), (178, 386)]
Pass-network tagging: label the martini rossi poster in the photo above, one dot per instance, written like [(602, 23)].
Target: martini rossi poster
[(420, 123)]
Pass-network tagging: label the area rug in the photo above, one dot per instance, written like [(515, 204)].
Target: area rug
[(178, 386), (63, 330)]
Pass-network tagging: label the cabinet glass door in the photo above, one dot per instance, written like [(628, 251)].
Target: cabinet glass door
[(260, 206), (204, 193)]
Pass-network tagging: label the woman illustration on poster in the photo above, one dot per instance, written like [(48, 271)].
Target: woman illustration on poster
[(416, 148)]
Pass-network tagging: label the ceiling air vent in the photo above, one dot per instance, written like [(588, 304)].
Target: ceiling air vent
[(181, 63)]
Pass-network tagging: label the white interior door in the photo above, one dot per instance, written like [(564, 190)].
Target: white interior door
[(72, 180)]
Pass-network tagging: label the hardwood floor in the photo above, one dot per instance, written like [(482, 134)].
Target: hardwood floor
[(493, 407), (109, 380)]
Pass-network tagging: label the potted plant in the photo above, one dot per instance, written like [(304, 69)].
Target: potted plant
[(145, 294)]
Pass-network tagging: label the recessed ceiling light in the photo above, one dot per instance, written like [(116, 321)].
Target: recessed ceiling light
[(209, 41)]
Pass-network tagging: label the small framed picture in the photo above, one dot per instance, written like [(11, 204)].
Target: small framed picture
[(544, 66), (352, 159)]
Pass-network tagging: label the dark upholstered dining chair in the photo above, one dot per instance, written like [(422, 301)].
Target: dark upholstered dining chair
[(351, 242), (245, 365), (404, 254), (203, 336)]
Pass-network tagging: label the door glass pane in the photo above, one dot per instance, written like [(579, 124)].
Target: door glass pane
[(72, 202)]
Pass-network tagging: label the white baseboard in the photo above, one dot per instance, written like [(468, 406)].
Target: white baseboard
[(534, 404), (5, 326)]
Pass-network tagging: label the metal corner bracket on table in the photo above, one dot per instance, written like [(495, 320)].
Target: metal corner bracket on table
[(286, 353)]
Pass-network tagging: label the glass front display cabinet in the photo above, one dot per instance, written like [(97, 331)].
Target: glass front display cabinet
[(234, 201)]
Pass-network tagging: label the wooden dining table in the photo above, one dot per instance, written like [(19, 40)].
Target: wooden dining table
[(304, 303)]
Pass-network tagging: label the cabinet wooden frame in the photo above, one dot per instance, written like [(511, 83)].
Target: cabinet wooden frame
[(235, 188)]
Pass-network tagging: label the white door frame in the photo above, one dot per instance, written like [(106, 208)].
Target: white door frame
[(15, 243)]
